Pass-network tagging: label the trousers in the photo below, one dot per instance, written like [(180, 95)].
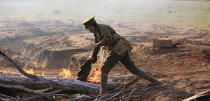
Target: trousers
[(126, 60)]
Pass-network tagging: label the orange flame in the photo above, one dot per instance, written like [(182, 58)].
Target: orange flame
[(5, 72), (30, 71), (95, 73), (43, 73), (66, 73), (8, 72)]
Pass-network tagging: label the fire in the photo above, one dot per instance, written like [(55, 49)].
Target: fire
[(8, 71), (5, 72), (66, 73), (94, 75), (30, 71), (43, 73), (95, 72)]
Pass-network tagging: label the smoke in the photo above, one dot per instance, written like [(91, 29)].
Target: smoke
[(56, 12)]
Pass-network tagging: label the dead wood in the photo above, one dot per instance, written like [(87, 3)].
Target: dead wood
[(53, 93), (70, 83), (20, 87), (40, 86), (6, 98), (203, 96), (82, 98), (18, 67)]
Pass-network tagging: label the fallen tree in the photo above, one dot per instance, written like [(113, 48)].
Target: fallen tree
[(42, 86), (67, 84), (29, 87)]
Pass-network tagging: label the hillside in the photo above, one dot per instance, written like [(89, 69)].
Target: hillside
[(49, 45)]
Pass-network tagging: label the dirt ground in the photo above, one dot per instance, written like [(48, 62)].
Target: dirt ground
[(187, 71)]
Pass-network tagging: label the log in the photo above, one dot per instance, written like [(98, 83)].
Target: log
[(6, 98), (73, 84), (82, 98), (20, 87), (70, 85), (39, 96), (163, 42), (26, 84), (67, 84)]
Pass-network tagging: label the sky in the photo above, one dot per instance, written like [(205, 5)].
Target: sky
[(74, 9), (168, 12)]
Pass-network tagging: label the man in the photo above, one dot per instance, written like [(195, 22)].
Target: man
[(119, 50)]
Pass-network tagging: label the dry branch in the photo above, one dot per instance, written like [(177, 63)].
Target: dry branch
[(6, 98), (18, 67), (39, 96), (70, 83), (39, 86), (205, 96)]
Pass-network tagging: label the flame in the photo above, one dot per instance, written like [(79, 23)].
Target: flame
[(95, 72), (43, 73), (5, 72), (66, 73), (8, 72), (30, 71), (94, 75)]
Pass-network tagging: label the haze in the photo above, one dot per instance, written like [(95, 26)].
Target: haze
[(191, 13), (79, 9)]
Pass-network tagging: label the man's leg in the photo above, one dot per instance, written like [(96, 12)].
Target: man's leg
[(129, 64), (108, 65)]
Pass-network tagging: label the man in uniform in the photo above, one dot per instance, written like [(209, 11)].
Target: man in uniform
[(119, 50)]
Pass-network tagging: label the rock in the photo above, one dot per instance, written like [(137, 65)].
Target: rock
[(163, 43), (78, 59), (59, 58)]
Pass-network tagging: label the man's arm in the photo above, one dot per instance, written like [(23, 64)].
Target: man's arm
[(105, 30), (94, 54)]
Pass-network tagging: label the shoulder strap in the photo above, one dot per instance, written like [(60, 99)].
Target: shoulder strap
[(96, 38), (98, 31)]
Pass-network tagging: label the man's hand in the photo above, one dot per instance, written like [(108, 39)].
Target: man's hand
[(90, 58), (94, 45)]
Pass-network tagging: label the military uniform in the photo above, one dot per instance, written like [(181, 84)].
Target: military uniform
[(119, 49)]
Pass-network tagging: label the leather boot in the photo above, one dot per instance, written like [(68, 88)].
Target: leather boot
[(103, 87), (146, 76)]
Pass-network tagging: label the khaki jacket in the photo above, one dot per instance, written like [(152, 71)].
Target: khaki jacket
[(106, 36)]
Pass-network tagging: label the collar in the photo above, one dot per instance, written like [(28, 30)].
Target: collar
[(96, 29)]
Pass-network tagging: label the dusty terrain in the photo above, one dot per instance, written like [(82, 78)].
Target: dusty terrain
[(51, 45)]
